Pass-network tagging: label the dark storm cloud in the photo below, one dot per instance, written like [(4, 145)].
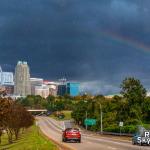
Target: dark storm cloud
[(67, 38)]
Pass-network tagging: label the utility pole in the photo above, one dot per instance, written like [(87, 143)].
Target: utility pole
[(101, 119), (86, 119)]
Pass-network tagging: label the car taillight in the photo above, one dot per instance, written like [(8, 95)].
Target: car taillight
[(67, 132)]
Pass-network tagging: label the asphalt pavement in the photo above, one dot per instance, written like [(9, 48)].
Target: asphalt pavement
[(53, 129)]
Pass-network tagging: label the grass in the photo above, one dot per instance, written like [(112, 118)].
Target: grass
[(30, 140), (146, 126), (66, 113)]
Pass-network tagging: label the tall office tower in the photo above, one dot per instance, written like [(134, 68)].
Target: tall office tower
[(62, 90), (22, 79), (1, 75), (73, 88), (62, 87)]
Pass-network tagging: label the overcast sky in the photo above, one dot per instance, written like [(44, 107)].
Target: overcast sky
[(95, 42)]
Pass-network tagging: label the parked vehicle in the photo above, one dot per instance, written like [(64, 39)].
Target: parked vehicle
[(60, 115), (71, 134)]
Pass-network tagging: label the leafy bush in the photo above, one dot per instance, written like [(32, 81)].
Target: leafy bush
[(124, 129)]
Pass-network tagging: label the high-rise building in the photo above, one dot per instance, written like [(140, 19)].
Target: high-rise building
[(22, 79), (7, 82), (62, 87), (6, 78), (73, 88), (70, 88), (62, 90), (1, 72)]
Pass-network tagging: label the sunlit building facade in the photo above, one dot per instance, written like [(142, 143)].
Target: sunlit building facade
[(22, 79)]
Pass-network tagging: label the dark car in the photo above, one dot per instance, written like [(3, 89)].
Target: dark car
[(71, 134)]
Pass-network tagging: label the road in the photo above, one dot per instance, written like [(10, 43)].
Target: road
[(53, 129)]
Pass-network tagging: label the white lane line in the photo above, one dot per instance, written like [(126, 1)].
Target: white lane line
[(64, 125)]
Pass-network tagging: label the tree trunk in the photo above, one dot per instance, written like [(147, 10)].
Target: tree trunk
[(16, 133), (10, 135), (0, 139), (10, 138), (1, 132), (23, 130)]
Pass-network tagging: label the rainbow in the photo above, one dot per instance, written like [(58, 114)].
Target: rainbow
[(127, 41)]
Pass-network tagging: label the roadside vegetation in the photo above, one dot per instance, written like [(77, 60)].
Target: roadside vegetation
[(17, 129), (30, 139), (61, 115), (132, 107), (13, 118)]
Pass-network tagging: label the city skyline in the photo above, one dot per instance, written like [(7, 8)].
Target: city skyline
[(22, 84), (97, 43)]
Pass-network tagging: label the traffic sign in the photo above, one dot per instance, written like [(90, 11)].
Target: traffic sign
[(120, 124), (90, 122)]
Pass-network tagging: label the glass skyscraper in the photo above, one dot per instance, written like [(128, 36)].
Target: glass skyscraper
[(70, 88), (6, 78), (73, 88)]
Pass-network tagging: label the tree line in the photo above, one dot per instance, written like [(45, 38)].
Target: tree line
[(51, 103), (132, 107), (13, 118)]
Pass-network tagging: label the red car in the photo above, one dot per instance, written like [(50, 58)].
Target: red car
[(71, 134)]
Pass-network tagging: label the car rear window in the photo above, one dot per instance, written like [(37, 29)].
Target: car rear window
[(72, 129)]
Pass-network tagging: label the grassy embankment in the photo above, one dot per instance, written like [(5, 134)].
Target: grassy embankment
[(66, 113), (30, 140)]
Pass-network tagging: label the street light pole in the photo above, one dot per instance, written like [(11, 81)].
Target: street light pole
[(101, 119)]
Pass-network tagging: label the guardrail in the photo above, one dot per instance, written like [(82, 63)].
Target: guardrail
[(116, 134), (37, 110)]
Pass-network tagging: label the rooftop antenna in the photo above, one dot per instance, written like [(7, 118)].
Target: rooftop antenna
[(62, 80)]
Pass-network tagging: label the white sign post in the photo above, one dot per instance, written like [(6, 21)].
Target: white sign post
[(120, 125)]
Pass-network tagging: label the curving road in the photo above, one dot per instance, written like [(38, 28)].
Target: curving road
[(53, 129)]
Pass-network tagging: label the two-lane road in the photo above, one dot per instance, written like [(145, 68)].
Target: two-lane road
[(53, 130)]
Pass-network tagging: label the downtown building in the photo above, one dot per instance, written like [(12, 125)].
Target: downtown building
[(70, 88), (22, 79), (53, 87), (73, 88), (7, 82), (44, 88), (35, 82)]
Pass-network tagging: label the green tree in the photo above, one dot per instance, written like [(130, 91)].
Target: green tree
[(133, 90), (50, 99), (146, 109), (135, 94), (79, 112)]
